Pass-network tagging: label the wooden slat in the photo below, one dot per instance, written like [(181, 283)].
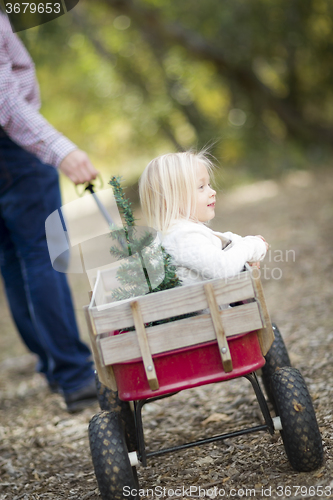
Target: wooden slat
[(168, 303), (218, 327), (147, 359), (265, 334), (105, 373), (181, 333), (98, 293)]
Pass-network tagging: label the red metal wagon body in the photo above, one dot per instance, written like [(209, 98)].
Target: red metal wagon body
[(189, 367)]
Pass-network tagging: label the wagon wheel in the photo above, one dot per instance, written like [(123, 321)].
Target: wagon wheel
[(115, 476), (109, 401), (300, 432), (276, 358)]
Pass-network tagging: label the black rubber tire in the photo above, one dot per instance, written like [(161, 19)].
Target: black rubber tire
[(109, 401), (300, 432), (276, 358), (109, 454)]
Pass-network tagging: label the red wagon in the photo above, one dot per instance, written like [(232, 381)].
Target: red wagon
[(181, 338)]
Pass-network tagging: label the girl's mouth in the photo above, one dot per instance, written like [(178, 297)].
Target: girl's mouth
[(212, 205)]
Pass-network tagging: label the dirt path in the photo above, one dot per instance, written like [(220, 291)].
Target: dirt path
[(44, 452)]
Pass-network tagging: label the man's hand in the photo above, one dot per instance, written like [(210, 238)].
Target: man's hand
[(77, 166)]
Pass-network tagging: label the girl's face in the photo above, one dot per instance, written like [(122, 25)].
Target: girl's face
[(205, 195)]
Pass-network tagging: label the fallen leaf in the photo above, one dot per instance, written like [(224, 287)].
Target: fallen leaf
[(204, 461), (216, 417)]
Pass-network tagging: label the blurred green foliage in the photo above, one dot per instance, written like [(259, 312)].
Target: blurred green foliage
[(130, 79)]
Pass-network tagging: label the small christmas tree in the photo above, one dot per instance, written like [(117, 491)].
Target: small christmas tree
[(146, 266)]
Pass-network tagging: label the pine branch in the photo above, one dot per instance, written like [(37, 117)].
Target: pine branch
[(123, 203), (148, 263)]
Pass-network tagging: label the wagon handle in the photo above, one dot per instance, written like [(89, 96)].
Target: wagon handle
[(91, 188)]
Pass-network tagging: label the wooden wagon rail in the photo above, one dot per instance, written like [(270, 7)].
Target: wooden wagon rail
[(213, 320)]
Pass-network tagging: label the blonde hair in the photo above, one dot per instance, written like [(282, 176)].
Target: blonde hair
[(167, 187)]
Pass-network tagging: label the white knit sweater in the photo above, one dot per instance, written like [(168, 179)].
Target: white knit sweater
[(201, 254)]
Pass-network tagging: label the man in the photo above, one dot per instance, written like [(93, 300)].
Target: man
[(31, 152)]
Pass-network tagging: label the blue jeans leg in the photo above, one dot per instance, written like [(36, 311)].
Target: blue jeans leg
[(16, 296), (39, 297)]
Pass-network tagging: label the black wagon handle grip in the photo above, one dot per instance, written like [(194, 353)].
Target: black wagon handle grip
[(89, 186)]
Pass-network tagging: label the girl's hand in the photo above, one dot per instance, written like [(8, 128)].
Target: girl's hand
[(257, 264), (263, 239), (254, 264)]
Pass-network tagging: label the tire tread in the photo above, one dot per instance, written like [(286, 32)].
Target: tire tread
[(300, 433), (110, 455)]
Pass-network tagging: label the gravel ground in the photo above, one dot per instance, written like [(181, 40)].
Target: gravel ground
[(44, 451)]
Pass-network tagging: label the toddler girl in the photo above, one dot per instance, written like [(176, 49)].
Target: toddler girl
[(178, 200)]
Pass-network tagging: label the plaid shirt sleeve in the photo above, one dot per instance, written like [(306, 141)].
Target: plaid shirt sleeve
[(19, 102)]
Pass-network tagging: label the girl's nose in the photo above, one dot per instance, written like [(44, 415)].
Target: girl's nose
[(212, 192)]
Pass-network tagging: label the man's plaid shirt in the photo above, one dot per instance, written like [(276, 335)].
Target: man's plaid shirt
[(20, 102)]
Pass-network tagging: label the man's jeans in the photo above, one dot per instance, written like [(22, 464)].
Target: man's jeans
[(38, 296)]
